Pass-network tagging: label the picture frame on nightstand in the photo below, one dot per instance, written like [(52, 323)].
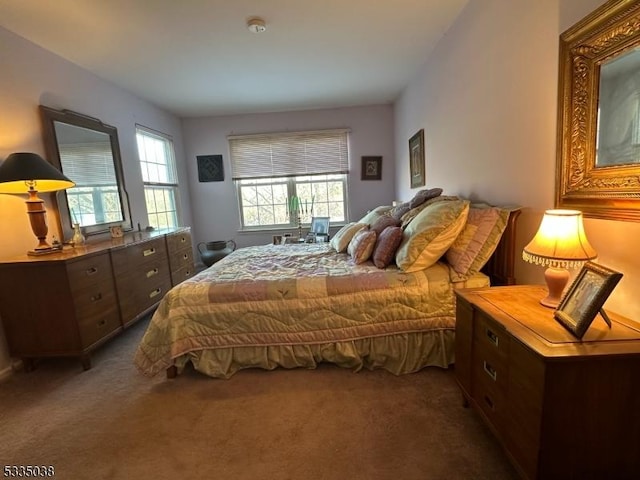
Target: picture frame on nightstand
[(585, 297)]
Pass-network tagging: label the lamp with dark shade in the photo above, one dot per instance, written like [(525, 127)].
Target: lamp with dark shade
[(560, 243), (30, 173)]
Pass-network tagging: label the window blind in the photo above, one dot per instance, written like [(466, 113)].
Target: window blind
[(88, 164), (289, 154)]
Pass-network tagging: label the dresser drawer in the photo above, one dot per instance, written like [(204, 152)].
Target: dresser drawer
[(181, 259), (180, 275), (95, 297), (178, 241), (89, 270), (133, 301), (135, 255), (97, 326)]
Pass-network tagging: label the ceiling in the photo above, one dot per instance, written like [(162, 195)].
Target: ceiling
[(198, 58)]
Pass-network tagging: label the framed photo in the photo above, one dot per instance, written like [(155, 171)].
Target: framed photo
[(116, 231), (371, 168), (210, 168), (585, 297), (320, 225), (416, 159)]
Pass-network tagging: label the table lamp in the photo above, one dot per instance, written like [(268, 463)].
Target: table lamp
[(30, 173), (559, 244)]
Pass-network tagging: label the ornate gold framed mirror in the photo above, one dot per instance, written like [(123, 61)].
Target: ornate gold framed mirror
[(598, 157)]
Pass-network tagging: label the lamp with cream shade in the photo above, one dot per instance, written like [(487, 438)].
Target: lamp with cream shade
[(560, 243), (29, 173)]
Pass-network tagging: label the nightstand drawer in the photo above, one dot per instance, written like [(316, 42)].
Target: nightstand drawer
[(489, 398), (491, 337)]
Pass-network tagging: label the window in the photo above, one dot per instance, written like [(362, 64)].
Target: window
[(157, 161), (270, 169)]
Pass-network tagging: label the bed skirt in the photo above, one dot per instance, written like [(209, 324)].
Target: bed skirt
[(399, 354)]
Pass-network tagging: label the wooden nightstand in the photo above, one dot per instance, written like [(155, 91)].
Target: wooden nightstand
[(561, 407)]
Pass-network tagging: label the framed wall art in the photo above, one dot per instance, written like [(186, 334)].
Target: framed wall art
[(416, 159), (371, 168), (210, 168), (585, 297)]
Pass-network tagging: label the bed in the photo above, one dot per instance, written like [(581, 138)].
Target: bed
[(295, 306)]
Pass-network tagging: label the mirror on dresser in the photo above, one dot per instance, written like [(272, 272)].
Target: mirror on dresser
[(88, 152)]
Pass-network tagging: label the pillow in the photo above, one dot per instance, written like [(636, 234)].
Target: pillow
[(424, 195), (399, 210), (341, 239), (411, 214), (430, 234), (383, 222), (386, 246), (477, 241), (361, 245), (374, 214)]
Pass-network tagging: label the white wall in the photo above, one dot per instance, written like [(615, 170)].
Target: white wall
[(32, 76), (487, 99), (215, 208)]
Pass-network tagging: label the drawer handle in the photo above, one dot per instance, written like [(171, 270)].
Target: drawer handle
[(489, 402), (155, 293), (185, 256), (187, 273), (490, 370), (183, 239), (153, 272), (493, 337), (96, 297), (102, 323), (149, 251), (91, 271)]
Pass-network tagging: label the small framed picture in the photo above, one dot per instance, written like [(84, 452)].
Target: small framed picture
[(371, 168), (416, 159), (320, 225), (116, 231), (585, 297)]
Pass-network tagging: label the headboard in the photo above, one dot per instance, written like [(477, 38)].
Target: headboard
[(501, 265)]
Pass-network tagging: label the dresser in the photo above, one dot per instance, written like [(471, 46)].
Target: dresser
[(562, 408), (71, 302)]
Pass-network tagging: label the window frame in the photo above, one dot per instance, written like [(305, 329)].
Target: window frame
[(291, 183), (173, 188)]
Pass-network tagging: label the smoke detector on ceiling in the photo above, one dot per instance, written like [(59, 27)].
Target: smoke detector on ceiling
[(256, 25)]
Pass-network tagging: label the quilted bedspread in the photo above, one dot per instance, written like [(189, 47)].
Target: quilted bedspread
[(292, 295)]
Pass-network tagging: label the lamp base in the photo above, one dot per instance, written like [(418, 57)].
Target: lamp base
[(556, 279)]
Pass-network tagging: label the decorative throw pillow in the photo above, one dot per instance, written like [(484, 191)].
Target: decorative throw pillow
[(477, 241), (424, 195), (399, 210), (386, 245), (411, 214), (430, 234), (383, 222), (341, 239), (361, 245), (374, 214)]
